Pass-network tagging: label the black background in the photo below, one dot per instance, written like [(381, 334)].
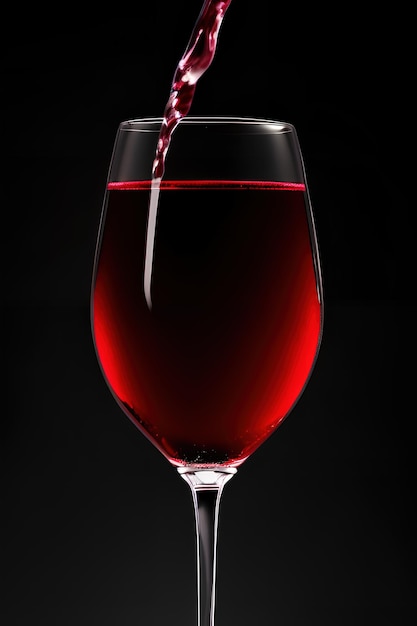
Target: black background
[(318, 526)]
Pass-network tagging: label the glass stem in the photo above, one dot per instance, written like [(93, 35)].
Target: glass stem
[(206, 488)]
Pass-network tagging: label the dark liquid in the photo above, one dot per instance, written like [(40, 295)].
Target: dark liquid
[(216, 365)]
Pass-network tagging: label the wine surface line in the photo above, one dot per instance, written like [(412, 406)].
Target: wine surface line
[(172, 185)]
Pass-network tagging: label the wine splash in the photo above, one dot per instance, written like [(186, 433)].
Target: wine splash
[(196, 59)]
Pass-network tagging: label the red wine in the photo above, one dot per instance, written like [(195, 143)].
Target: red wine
[(219, 361), (196, 59)]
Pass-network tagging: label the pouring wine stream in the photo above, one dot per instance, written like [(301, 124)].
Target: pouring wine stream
[(196, 59)]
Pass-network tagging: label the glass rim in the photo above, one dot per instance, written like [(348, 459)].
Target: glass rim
[(155, 123)]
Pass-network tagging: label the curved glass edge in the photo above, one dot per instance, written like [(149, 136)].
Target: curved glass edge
[(153, 124)]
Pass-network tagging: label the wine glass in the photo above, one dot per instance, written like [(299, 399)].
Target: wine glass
[(207, 310)]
